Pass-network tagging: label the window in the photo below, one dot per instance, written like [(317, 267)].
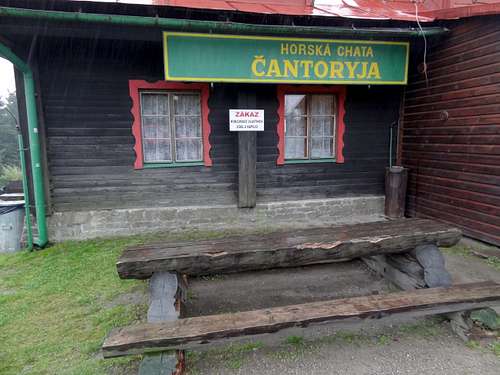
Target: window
[(311, 126), (171, 127), (170, 124)]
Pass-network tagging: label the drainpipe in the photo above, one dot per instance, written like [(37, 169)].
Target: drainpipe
[(36, 164), (217, 26)]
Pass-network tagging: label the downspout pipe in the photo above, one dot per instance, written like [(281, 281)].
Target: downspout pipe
[(217, 26), (34, 142)]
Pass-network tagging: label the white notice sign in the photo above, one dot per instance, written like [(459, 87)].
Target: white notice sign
[(246, 120)]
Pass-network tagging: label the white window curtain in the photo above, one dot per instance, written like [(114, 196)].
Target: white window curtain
[(310, 126), (171, 127)]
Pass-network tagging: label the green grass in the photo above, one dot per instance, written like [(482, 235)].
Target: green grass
[(296, 341), (56, 307), (10, 173), (494, 262)]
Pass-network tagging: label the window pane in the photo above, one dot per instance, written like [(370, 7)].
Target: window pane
[(295, 105), (322, 147), (295, 148), (188, 149), (329, 146), (163, 105), (149, 149), (322, 126), (187, 126), (322, 105), (154, 104), (163, 127), (296, 126), (149, 126), (163, 150), (187, 104), (148, 104)]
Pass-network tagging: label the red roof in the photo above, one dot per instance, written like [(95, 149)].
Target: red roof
[(401, 10)]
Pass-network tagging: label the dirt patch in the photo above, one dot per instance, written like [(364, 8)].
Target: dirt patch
[(279, 287)]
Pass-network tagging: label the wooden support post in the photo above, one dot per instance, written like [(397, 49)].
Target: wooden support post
[(247, 158), (166, 290)]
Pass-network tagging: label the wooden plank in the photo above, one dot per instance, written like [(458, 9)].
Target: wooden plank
[(202, 331), (247, 158), (285, 249)]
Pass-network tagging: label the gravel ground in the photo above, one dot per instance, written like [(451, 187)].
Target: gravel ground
[(420, 350), (442, 353)]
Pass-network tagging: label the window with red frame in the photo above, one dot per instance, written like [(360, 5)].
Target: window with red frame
[(170, 124), (311, 124)]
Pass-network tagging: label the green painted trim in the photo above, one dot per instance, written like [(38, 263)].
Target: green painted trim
[(218, 26), (306, 161), (173, 165)]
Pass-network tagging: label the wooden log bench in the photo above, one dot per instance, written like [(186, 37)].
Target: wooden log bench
[(284, 249), (404, 251), (191, 333)]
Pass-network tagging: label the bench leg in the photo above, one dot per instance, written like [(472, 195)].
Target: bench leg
[(167, 292), (424, 267)]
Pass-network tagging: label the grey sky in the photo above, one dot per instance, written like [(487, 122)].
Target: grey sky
[(6, 78)]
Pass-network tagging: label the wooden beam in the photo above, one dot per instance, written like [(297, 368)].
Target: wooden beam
[(285, 249), (247, 157), (202, 331)]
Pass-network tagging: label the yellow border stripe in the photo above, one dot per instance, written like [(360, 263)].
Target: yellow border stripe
[(166, 34)]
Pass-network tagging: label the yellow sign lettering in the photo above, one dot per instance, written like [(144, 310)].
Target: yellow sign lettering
[(291, 68), (374, 71), (274, 69)]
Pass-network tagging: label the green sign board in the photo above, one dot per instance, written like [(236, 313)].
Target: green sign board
[(237, 58)]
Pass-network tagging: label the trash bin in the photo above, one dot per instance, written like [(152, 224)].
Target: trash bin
[(11, 225)]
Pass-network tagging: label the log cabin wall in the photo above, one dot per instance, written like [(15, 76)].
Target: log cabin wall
[(85, 95), (86, 101), (451, 131)]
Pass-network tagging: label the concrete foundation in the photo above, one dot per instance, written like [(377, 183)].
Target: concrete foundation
[(303, 213)]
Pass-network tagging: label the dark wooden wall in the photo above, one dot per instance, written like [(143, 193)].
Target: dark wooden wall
[(84, 88), (90, 145), (451, 131)]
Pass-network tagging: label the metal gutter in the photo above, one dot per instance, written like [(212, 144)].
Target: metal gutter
[(217, 26), (36, 165)]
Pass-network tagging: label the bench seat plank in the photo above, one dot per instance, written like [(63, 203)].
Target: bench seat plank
[(284, 249), (199, 331)]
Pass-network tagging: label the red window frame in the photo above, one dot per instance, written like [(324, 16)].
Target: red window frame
[(339, 91), (135, 88)]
